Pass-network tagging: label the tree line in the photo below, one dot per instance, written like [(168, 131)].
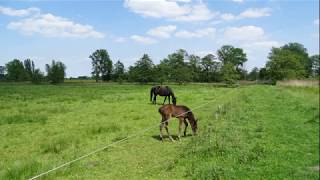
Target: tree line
[(17, 71), (290, 61), (177, 67)]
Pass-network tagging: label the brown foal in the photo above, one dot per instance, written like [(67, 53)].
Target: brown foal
[(180, 112)]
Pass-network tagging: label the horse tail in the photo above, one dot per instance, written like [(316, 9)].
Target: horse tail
[(151, 93)]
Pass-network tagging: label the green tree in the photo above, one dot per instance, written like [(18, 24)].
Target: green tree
[(243, 74), (254, 74), (195, 67), (29, 67), (55, 72), (101, 65), (209, 68), (263, 74), (142, 71), (315, 65), (37, 76), (290, 61), (161, 73), (175, 68), (231, 56), (2, 72), (16, 71), (229, 73), (118, 71)]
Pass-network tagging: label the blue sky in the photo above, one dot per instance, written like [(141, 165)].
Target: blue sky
[(69, 31)]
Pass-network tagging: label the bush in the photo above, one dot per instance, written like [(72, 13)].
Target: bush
[(37, 77), (56, 72)]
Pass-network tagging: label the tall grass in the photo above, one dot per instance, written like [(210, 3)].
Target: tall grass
[(251, 132), (260, 134)]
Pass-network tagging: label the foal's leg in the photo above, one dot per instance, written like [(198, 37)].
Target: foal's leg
[(166, 126), (161, 127), (180, 126), (185, 127)]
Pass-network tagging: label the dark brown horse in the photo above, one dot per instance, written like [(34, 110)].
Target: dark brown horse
[(162, 91), (180, 112)]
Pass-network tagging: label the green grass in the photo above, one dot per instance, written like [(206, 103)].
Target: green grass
[(249, 132)]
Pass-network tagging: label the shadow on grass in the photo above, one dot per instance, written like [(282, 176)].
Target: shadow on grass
[(175, 137)]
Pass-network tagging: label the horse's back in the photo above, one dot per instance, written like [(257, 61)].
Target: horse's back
[(173, 110), (166, 108)]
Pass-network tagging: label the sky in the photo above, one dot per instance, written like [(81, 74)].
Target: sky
[(71, 30)]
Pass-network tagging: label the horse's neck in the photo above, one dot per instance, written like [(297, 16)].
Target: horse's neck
[(171, 93), (191, 118)]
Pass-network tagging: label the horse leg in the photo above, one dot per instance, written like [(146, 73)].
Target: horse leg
[(166, 126), (165, 98), (169, 98), (185, 127), (155, 99), (180, 127)]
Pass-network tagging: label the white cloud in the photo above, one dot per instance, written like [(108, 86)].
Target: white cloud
[(255, 13), (18, 12), (253, 39), (248, 13), (49, 25), (227, 16), (162, 31), (257, 52), (176, 10), (244, 33), (157, 8), (143, 39), (316, 22), (197, 33), (198, 12)]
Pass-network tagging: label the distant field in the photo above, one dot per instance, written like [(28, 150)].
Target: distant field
[(248, 132)]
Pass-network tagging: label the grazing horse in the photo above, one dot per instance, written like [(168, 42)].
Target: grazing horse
[(162, 91), (180, 112)]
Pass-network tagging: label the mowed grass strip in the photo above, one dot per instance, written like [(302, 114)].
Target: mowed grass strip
[(246, 132)]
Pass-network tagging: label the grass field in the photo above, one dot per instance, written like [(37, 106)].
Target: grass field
[(248, 132)]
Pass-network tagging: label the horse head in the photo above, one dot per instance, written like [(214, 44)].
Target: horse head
[(195, 127), (174, 100)]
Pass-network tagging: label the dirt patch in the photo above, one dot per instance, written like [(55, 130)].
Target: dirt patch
[(315, 168), (299, 83)]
